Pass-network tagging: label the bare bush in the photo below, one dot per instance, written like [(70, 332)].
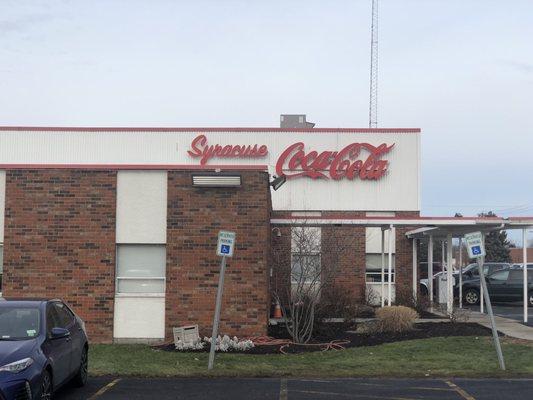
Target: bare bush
[(312, 268), (395, 319), (405, 297)]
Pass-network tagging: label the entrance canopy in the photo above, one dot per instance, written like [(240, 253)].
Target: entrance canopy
[(442, 229)]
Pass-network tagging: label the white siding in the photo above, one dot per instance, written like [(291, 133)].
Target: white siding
[(139, 318), (142, 207), (397, 190), (2, 203), (373, 241)]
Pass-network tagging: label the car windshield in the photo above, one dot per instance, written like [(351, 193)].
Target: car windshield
[(19, 323)]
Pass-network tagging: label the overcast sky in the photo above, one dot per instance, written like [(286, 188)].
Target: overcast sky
[(461, 70)]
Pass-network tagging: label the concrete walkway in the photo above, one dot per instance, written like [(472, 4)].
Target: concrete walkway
[(507, 326)]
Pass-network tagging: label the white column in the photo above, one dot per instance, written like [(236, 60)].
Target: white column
[(415, 269), (524, 256), (449, 257), (443, 253), (460, 272), (382, 267), (430, 270), (391, 238)]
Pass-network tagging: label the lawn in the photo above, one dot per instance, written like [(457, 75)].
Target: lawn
[(452, 356)]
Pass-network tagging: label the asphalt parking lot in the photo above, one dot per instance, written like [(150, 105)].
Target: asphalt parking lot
[(106, 388)]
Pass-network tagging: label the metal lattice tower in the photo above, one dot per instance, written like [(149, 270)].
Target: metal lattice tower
[(373, 109)]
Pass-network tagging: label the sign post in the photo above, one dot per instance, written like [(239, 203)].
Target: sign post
[(476, 249), (225, 246)]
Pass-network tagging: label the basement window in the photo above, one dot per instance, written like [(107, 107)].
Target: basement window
[(141, 268)]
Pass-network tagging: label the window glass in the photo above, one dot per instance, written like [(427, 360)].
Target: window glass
[(305, 248), (373, 267), (52, 320), (500, 275), (516, 275), (141, 268), (64, 316), (19, 323), (305, 268)]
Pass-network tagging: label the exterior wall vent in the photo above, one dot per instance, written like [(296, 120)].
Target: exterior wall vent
[(216, 180)]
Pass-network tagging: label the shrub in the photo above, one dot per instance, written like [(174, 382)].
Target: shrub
[(395, 319)]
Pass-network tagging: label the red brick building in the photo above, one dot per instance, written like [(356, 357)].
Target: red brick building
[(122, 223)]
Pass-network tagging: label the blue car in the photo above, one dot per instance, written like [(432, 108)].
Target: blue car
[(43, 345)]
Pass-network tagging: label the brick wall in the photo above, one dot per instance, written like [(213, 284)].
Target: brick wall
[(404, 256), (60, 241), (195, 215)]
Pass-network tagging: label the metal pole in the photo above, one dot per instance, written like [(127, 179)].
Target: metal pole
[(415, 262), (482, 289), (449, 276), (460, 272), (216, 319), (390, 266), (430, 270), (491, 315), (382, 267), (524, 256)]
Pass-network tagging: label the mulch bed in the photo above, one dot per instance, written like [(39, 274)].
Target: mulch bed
[(336, 333)]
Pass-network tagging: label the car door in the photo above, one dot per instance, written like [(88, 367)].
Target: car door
[(68, 320), (59, 349), (497, 284), (515, 285)]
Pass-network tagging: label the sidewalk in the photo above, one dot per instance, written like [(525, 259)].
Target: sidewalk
[(509, 327)]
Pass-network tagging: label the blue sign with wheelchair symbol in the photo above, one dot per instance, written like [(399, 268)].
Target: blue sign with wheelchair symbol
[(476, 250), (224, 249)]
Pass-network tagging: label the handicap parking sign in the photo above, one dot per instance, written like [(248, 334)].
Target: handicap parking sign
[(474, 244), (226, 243)]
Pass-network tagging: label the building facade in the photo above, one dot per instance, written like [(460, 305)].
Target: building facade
[(122, 223)]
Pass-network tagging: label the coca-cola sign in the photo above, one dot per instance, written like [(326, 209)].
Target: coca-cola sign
[(357, 160)]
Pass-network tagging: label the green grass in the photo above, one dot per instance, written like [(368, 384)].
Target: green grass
[(455, 356)]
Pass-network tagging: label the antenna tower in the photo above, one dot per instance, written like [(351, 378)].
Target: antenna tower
[(373, 109)]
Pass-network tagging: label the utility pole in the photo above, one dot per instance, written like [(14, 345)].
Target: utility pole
[(373, 108)]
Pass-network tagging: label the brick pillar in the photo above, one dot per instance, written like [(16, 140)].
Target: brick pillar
[(194, 218)]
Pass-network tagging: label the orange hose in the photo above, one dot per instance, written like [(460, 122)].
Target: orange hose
[(285, 343)]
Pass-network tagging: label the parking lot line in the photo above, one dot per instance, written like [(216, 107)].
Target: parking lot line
[(283, 389), (104, 389), (462, 392), (352, 395)]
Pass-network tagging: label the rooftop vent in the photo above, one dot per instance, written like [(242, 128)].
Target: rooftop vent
[(294, 121)]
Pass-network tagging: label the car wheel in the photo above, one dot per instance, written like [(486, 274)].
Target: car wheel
[(81, 377), (46, 386), (472, 296)]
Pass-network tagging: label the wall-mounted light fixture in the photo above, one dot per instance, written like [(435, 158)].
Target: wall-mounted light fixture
[(278, 182), (216, 180)]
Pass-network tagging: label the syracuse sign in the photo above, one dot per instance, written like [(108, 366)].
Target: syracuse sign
[(356, 160)]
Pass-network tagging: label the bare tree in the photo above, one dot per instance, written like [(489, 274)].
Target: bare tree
[(313, 266)]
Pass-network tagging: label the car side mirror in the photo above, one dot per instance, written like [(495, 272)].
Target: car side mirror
[(58, 333)]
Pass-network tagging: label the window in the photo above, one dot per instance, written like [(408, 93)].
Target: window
[(141, 268), (305, 251), (52, 319), (500, 276), (373, 267), (64, 317)]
